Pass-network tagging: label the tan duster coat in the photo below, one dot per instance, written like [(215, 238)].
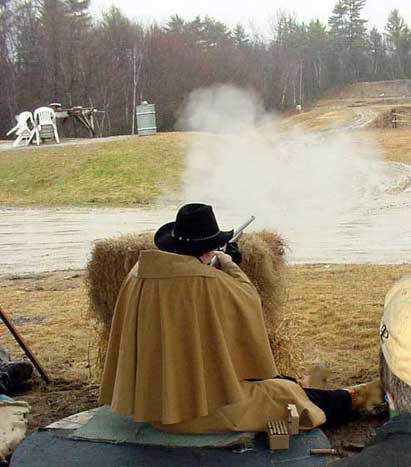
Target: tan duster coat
[(184, 338)]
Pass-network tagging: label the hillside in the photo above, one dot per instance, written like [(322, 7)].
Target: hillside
[(126, 171), (112, 171)]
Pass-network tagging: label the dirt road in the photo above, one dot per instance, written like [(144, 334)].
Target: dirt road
[(35, 240), (376, 229)]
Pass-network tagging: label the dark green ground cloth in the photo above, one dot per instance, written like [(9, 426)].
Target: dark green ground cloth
[(109, 427), (53, 448)]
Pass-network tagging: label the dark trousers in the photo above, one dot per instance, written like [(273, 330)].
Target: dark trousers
[(336, 404)]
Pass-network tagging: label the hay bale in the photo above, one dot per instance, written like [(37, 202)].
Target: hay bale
[(263, 262), (111, 260), (383, 120)]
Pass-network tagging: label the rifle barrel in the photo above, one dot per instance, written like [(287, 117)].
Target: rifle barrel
[(240, 229), (234, 238)]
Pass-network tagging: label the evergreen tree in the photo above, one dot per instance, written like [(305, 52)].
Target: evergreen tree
[(348, 39), (316, 58), (195, 32), (215, 33), (176, 25), (377, 52), (399, 44), (239, 36), (51, 50), (337, 21)]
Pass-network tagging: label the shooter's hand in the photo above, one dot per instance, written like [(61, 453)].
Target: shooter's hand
[(223, 259), (235, 253)]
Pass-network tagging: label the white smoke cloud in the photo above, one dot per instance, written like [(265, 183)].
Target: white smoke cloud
[(313, 187)]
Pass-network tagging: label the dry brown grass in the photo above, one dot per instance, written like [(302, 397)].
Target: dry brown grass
[(318, 118), (337, 309), (394, 144), (50, 311), (334, 309)]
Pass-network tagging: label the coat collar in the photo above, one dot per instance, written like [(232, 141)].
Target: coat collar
[(160, 264)]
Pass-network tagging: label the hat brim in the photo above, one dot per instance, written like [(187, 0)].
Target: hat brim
[(164, 240)]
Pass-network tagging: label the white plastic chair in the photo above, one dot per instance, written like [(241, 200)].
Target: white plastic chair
[(25, 129), (45, 119)]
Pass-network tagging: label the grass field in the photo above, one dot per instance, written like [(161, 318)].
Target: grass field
[(124, 171), (133, 171)]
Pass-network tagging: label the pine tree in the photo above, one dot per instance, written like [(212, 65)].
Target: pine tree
[(377, 51), (399, 44), (195, 32), (337, 21), (176, 25), (348, 39), (239, 36), (215, 33), (316, 57)]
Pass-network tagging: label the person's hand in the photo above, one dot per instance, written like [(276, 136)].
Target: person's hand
[(223, 258), (233, 250)]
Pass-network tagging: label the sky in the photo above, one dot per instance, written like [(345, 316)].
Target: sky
[(255, 16)]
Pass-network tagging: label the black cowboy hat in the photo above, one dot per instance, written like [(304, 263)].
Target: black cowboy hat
[(194, 232)]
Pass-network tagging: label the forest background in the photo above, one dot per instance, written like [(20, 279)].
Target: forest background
[(55, 51)]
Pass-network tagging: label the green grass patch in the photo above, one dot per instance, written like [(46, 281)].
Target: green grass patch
[(123, 171)]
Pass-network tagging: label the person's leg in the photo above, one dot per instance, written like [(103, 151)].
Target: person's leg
[(13, 375), (336, 404)]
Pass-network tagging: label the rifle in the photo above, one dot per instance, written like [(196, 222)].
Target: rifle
[(236, 235)]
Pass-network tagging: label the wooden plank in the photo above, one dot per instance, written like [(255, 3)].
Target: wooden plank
[(62, 114)]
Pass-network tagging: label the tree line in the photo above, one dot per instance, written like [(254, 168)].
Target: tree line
[(55, 51)]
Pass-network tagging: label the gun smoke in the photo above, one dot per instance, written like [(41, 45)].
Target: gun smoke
[(318, 190)]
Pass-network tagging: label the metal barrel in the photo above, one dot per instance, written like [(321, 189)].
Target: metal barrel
[(146, 119)]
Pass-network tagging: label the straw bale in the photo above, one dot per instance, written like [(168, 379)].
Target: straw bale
[(263, 262), (383, 120), (111, 260)]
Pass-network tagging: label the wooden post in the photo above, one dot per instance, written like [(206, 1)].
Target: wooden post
[(10, 326), (301, 83)]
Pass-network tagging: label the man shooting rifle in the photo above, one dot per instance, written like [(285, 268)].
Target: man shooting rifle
[(188, 349)]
